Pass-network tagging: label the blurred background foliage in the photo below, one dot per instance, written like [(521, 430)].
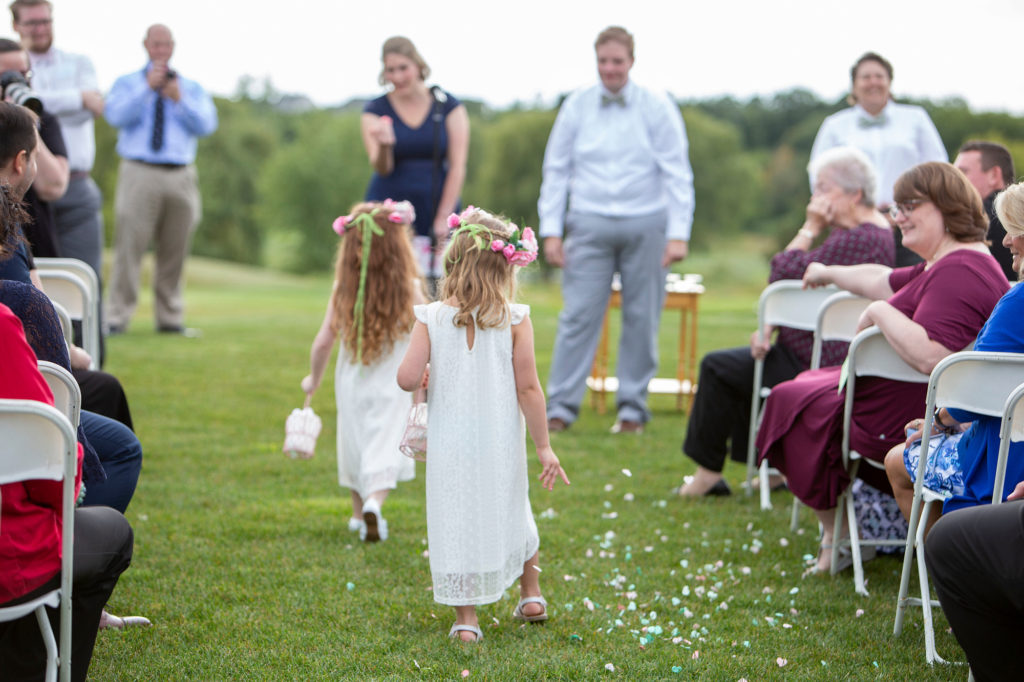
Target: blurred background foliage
[(275, 175)]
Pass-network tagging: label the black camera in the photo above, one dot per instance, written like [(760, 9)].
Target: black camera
[(14, 86)]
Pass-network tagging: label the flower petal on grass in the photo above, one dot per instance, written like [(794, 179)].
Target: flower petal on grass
[(780, 661)]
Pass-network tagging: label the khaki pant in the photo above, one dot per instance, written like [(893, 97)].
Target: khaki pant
[(159, 205)]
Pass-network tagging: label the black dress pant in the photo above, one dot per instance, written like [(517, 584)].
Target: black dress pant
[(103, 550), (975, 558), (721, 407)]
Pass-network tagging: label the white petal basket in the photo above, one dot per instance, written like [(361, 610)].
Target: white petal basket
[(300, 433)]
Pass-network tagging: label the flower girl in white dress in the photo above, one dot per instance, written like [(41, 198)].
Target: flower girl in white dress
[(376, 285), (482, 383)]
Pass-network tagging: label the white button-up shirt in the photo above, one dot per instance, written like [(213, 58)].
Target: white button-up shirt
[(618, 160), (899, 138), (59, 78)]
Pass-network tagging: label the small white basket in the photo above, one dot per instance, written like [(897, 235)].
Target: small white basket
[(300, 433)]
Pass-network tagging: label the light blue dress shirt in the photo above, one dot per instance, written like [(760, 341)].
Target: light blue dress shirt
[(130, 108)]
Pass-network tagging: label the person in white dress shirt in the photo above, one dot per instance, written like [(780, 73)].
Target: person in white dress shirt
[(67, 85), (895, 137), (617, 196)]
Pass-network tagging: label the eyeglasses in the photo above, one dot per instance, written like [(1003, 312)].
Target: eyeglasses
[(905, 208), (35, 23)]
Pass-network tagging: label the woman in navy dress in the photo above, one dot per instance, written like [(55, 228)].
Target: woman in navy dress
[(417, 139)]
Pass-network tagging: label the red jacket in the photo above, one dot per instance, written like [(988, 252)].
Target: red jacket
[(30, 512)]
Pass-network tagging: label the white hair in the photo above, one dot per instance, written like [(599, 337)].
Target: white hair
[(851, 169)]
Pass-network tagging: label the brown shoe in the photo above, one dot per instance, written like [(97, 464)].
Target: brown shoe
[(556, 425), (626, 426)]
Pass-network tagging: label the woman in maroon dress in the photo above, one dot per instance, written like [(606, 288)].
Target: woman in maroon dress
[(925, 311)]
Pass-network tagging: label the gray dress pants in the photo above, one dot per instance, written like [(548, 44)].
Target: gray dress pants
[(596, 247)]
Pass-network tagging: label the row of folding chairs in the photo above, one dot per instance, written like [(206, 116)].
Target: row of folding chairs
[(985, 383), (40, 443)]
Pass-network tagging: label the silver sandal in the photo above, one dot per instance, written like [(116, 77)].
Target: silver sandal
[(538, 618), (460, 627)]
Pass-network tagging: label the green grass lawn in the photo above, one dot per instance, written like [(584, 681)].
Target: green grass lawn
[(244, 564)]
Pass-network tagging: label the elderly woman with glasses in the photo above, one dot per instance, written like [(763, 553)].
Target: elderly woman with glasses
[(844, 228), (926, 311)]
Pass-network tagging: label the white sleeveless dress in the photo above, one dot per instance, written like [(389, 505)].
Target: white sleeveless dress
[(372, 410), (480, 527)]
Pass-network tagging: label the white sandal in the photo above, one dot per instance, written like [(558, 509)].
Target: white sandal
[(537, 618), (460, 627)]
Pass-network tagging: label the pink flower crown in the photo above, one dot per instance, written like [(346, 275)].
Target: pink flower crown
[(519, 249), (399, 212)]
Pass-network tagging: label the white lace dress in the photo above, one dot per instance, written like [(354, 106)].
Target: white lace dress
[(372, 410), (480, 527)]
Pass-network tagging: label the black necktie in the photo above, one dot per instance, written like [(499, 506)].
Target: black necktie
[(158, 125)]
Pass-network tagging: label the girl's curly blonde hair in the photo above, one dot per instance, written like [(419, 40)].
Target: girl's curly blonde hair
[(391, 278), (479, 279)]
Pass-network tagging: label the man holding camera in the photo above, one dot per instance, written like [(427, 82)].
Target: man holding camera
[(52, 177), (66, 84), (160, 115)]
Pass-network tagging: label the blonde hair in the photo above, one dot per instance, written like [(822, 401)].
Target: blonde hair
[(402, 46), (1010, 208), (479, 279), (391, 278)]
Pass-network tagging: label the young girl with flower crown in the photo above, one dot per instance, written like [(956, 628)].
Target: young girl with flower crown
[(376, 284), (482, 383)]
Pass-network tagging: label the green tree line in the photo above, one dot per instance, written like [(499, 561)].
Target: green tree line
[(273, 181)]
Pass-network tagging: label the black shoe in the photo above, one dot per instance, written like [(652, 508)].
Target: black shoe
[(720, 489), (115, 330), (187, 332)]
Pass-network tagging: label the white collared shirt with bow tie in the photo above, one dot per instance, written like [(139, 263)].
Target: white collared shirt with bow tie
[(619, 159), (899, 138)]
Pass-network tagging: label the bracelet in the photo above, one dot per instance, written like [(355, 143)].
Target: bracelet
[(937, 422), (804, 232)]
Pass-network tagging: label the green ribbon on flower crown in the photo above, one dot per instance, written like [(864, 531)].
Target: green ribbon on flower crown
[(367, 227), (481, 235)]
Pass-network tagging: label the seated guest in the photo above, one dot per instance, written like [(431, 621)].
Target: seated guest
[(30, 540), (842, 209), (118, 449), (965, 463), (926, 311), (974, 559)]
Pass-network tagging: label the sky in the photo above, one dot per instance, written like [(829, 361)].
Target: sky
[(531, 51)]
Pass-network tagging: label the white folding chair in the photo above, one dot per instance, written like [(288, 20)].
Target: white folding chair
[(870, 355), (81, 302), (67, 395), (1011, 430), (976, 381), (784, 303), (84, 271), (837, 321), (39, 443)]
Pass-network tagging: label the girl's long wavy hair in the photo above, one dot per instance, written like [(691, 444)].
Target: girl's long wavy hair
[(391, 278), (479, 279)]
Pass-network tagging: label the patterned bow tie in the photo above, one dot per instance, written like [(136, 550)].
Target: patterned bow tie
[(608, 100), (872, 122)]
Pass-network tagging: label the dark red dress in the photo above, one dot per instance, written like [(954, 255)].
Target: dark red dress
[(801, 434)]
